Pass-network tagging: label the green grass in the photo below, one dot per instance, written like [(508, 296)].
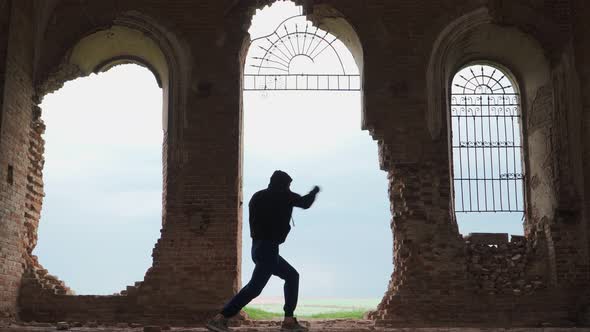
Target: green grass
[(257, 314), (355, 314)]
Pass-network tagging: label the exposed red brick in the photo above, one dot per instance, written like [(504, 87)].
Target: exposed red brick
[(439, 279)]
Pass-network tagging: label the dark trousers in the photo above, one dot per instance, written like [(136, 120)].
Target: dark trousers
[(265, 255)]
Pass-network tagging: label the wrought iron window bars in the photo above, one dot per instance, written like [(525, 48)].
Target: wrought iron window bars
[(486, 142)]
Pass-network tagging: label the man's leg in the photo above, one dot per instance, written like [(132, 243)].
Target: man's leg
[(265, 258), (285, 271), (262, 272)]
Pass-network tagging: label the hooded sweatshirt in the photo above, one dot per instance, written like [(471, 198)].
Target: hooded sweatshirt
[(271, 208)]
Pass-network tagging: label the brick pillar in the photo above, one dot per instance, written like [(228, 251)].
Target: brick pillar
[(196, 261), (429, 255), (581, 41), (14, 137)]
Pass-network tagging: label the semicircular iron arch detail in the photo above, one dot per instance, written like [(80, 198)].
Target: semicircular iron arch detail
[(271, 59)]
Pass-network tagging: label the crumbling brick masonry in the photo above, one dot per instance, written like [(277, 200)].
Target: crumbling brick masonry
[(408, 51)]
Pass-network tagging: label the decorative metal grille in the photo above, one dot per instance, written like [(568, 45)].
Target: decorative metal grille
[(270, 62), (486, 141)]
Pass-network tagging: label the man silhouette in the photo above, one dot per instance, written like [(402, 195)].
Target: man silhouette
[(270, 214)]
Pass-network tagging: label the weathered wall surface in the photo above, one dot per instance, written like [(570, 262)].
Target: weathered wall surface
[(439, 278), (7, 307), (17, 109), (581, 46), (4, 34)]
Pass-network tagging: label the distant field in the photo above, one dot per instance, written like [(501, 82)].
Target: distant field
[(257, 314), (269, 308)]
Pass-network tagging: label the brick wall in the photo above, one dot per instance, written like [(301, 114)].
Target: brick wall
[(438, 279), (581, 45), (14, 162), (503, 267), (5, 31)]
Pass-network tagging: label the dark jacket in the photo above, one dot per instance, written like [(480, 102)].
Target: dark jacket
[(271, 209)]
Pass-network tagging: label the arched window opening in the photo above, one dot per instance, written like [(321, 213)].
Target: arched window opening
[(103, 179), (487, 150), (302, 114)]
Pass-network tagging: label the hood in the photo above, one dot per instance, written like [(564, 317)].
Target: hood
[(279, 181)]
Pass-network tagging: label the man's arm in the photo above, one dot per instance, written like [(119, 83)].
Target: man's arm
[(306, 201)]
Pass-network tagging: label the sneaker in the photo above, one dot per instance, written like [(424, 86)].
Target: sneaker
[(218, 324), (292, 325)]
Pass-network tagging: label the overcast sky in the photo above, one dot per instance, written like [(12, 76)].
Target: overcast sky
[(103, 181)]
